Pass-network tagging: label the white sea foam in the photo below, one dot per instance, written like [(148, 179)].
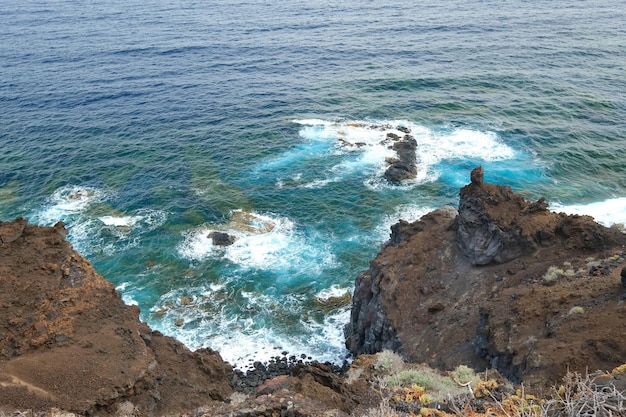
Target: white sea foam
[(261, 242), (128, 300), (462, 143), (66, 202), (334, 291), (120, 221), (319, 183), (328, 336), (370, 141), (607, 212), (408, 212), (241, 339), (90, 233)]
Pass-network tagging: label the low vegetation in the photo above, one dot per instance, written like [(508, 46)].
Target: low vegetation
[(415, 390)]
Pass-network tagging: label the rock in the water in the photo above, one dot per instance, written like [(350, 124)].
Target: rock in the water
[(221, 238), (405, 166), (333, 303)]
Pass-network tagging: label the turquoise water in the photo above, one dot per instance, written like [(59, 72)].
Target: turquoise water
[(145, 126)]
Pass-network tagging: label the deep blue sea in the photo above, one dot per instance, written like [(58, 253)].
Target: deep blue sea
[(146, 125)]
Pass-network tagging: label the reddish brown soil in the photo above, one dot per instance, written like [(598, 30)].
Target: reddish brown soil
[(67, 340)]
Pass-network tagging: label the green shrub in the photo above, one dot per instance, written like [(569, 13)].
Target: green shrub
[(388, 362), (437, 386), (552, 275), (423, 378), (464, 374)]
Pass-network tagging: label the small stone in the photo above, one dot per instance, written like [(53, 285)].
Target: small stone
[(179, 322), (576, 310)]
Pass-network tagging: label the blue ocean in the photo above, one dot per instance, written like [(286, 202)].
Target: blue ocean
[(146, 126)]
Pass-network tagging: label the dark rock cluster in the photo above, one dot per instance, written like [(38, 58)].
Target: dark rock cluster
[(249, 381), (403, 167)]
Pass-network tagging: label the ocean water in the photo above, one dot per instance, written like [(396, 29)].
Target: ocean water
[(147, 125)]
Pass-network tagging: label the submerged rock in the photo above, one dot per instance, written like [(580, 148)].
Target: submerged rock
[(334, 302)]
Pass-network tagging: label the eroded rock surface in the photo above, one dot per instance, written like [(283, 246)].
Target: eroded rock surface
[(68, 341), (506, 283), (404, 167)]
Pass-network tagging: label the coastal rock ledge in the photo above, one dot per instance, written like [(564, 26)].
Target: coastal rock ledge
[(68, 341), (503, 283)]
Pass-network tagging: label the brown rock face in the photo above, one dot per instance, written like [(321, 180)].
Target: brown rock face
[(478, 289), (68, 341)]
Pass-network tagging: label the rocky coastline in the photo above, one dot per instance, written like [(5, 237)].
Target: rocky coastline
[(500, 285), (495, 285)]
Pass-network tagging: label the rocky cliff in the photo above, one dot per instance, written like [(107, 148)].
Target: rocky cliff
[(502, 283), (69, 344), (68, 341)]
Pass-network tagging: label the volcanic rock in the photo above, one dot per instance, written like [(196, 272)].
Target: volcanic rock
[(405, 166), (221, 238), (473, 289), (68, 341), (477, 176)]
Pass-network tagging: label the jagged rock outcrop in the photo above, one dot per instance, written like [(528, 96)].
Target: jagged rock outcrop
[(369, 330), (68, 341), (497, 225), (371, 327), (403, 167), (506, 284)]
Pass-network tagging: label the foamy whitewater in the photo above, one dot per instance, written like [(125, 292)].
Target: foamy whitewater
[(148, 127)]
